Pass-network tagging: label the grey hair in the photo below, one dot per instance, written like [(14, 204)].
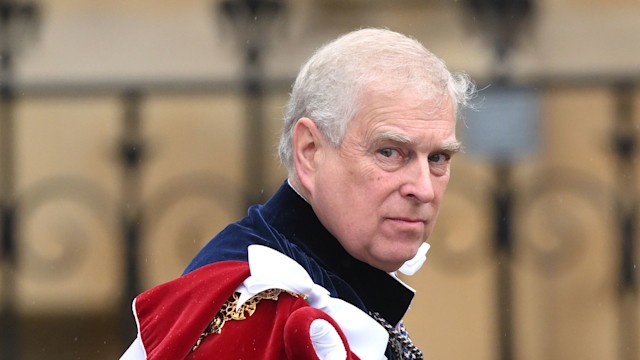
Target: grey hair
[(329, 86)]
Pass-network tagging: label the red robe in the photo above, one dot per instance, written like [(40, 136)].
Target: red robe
[(171, 317)]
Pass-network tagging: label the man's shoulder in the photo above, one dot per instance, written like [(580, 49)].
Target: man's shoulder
[(232, 242), (273, 323), (170, 316)]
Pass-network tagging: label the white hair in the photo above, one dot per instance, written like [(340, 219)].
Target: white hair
[(328, 87)]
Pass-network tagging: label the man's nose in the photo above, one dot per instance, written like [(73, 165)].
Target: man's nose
[(418, 183)]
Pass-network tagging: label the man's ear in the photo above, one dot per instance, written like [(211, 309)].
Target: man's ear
[(307, 146)]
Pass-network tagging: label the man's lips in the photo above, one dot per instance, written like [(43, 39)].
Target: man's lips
[(407, 219), (407, 223)]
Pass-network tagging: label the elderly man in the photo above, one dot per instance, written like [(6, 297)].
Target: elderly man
[(368, 139)]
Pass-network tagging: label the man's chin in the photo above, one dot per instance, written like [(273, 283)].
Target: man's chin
[(389, 266), (393, 266), (391, 260)]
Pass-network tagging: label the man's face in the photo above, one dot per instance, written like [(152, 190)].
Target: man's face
[(379, 193)]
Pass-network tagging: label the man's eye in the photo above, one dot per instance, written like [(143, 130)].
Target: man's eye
[(438, 158), (439, 163), (388, 152), (390, 159)]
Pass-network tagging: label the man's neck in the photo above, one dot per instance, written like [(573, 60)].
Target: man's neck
[(296, 186)]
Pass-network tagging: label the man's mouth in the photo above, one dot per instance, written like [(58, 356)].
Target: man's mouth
[(408, 223)]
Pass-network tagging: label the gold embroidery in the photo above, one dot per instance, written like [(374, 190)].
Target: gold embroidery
[(231, 311)]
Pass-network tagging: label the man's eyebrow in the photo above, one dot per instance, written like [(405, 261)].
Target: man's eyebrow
[(448, 145), (393, 136), (453, 146)]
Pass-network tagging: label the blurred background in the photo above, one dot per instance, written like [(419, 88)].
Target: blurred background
[(132, 131)]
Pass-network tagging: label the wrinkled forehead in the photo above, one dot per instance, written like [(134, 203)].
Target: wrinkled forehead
[(423, 105), (435, 92), (382, 113)]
